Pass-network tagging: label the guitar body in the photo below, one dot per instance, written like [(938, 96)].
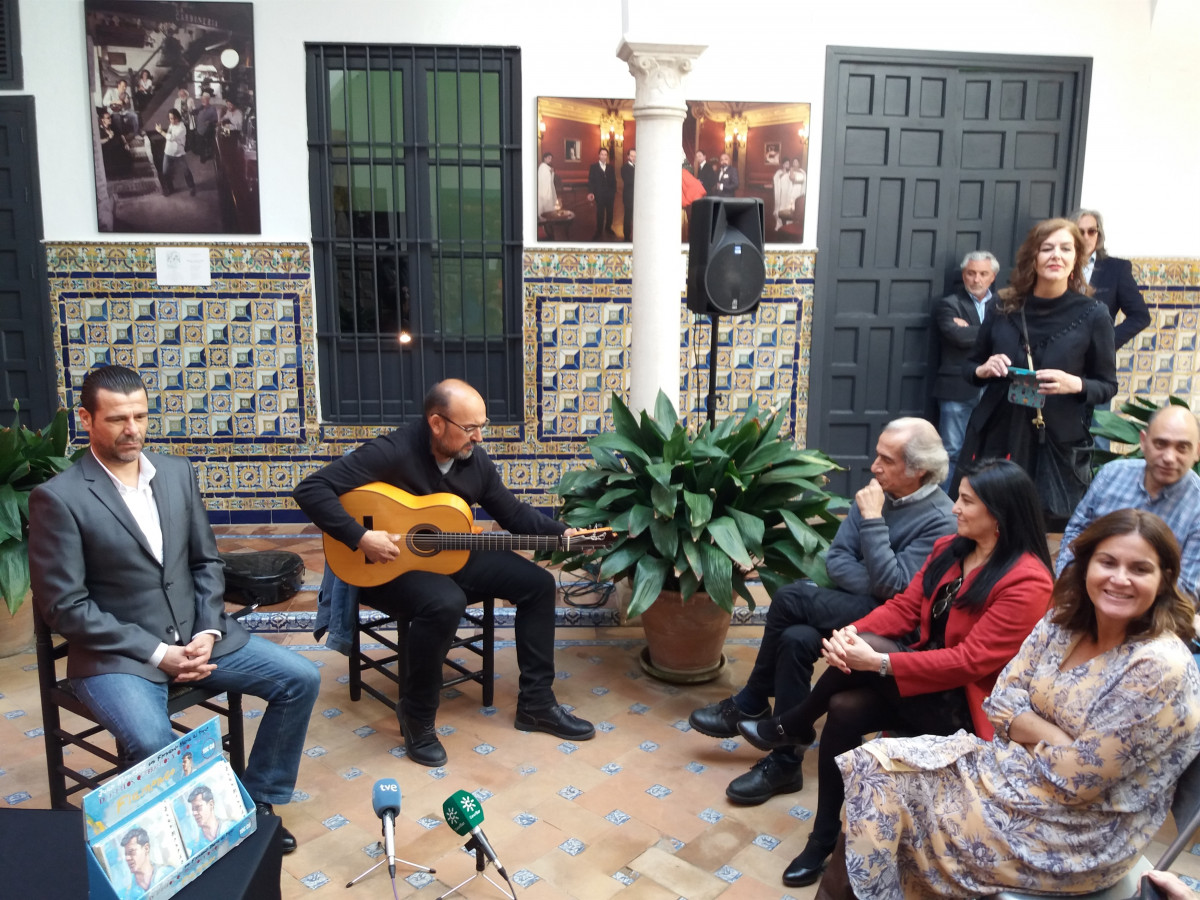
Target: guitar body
[(382, 507)]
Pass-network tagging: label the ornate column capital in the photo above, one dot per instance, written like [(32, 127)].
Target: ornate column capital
[(658, 71)]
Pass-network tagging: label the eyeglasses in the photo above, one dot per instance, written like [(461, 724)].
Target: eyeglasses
[(469, 429), (1089, 232), (945, 597)]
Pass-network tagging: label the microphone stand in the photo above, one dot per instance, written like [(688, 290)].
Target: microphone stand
[(481, 862), (384, 859)]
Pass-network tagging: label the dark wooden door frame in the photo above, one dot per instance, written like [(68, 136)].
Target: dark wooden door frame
[(835, 57), (42, 375)]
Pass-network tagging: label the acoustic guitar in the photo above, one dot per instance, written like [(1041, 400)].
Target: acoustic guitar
[(436, 534)]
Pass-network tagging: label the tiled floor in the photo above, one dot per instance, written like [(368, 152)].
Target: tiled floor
[(638, 812)]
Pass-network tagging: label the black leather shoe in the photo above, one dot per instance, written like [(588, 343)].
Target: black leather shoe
[(806, 868), (720, 719), (556, 721), (768, 734), (766, 778), (420, 739), (287, 840)]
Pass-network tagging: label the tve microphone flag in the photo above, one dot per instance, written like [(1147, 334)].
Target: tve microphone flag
[(385, 798)]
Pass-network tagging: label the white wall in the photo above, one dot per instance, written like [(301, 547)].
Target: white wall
[(1143, 140)]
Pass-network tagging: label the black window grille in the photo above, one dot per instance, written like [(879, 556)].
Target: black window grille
[(414, 171), (10, 46)]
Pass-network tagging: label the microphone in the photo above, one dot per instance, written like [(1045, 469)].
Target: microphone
[(385, 798), (464, 814)]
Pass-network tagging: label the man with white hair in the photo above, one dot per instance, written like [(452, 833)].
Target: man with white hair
[(888, 532), (958, 317)]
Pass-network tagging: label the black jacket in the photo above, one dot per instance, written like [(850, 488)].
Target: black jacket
[(955, 342), (1112, 281)]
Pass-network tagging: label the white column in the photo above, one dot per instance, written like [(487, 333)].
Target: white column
[(658, 271)]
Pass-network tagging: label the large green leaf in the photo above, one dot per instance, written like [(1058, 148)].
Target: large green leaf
[(14, 572), (619, 443), (718, 576), (640, 517), (700, 509), (725, 534), (10, 513), (648, 581), (665, 536), (752, 529), (620, 560), (665, 500)]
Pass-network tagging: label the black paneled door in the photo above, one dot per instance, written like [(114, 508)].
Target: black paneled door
[(925, 157), (27, 370)]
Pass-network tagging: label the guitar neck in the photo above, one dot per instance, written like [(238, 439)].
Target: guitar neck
[(486, 540)]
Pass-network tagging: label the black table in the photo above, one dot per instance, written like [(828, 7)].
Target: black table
[(43, 854)]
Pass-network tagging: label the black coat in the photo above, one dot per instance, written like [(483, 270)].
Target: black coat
[(956, 342), (1112, 281)]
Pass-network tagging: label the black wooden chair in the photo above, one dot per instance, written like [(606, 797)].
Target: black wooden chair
[(57, 697), (481, 641)]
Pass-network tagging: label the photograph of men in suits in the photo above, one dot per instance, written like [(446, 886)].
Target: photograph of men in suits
[(958, 317), (124, 565), (727, 178), (602, 187), (627, 193)]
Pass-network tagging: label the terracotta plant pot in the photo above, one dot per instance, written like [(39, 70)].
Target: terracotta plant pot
[(16, 632), (684, 639)]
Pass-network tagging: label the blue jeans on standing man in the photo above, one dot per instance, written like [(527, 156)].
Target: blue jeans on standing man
[(953, 428), (134, 709)]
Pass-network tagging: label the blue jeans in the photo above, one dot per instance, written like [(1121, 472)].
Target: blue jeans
[(134, 709), (953, 428)]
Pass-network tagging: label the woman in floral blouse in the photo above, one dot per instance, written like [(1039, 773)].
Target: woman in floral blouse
[(1095, 719)]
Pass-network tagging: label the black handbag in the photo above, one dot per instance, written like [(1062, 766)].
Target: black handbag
[(1062, 476)]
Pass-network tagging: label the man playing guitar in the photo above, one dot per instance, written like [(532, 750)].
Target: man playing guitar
[(441, 454)]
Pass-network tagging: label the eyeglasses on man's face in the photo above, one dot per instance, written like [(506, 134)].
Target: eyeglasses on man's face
[(1089, 232), (480, 429)]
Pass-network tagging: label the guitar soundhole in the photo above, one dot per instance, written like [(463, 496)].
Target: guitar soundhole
[(422, 541)]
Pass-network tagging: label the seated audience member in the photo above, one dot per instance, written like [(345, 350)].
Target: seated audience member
[(1162, 483), (124, 565), (120, 104), (886, 536), (1095, 719), (231, 117), (975, 600)]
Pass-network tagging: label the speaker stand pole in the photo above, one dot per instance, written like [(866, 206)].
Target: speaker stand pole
[(712, 374)]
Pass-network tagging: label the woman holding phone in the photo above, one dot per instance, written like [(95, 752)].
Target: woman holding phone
[(1046, 356)]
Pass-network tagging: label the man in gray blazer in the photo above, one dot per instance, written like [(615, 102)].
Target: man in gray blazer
[(124, 565)]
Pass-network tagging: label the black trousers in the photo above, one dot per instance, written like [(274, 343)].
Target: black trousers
[(433, 605), (800, 615)]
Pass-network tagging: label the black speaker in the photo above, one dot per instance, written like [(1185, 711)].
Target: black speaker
[(726, 272)]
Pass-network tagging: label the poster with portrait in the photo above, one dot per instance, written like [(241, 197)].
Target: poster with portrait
[(173, 116), (142, 857), (586, 164)]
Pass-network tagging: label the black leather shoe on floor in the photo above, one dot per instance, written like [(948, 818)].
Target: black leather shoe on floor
[(420, 739), (287, 840), (720, 719), (556, 721), (766, 778), (806, 868)]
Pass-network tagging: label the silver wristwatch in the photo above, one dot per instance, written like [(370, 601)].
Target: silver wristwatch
[(884, 668)]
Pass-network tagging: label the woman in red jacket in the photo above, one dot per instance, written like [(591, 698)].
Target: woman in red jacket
[(975, 599)]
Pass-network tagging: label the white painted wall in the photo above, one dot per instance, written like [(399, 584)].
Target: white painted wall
[(1143, 140)]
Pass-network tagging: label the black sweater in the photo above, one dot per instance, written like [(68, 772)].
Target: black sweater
[(403, 459)]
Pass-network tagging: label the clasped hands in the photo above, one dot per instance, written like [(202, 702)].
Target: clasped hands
[(1050, 381), (845, 650), (190, 662)]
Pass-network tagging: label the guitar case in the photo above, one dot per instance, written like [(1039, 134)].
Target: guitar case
[(262, 577)]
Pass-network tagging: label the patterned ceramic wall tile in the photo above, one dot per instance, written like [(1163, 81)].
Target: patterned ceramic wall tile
[(231, 366)]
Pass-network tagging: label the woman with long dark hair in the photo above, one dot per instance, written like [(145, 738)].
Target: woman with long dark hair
[(975, 600), (1044, 321), (1095, 719)]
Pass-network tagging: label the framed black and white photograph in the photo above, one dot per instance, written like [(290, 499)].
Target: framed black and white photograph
[(174, 117)]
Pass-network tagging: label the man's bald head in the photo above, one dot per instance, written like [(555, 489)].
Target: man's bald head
[(1171, 445)]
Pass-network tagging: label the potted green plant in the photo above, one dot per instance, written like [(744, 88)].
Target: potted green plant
[(698, 512), (27, 458)]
